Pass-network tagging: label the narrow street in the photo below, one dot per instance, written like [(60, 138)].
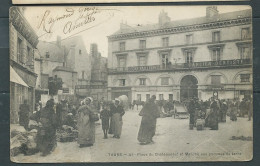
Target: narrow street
[(171, 140)]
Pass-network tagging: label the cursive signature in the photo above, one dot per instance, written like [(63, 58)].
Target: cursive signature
[(47, 22), (86, 15)]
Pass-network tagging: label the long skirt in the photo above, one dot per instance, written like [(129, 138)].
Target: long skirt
[(46, 139), (224, 115), (105, 123), (147, 129), (213, 121), (233, 114), (86, 131), (116, 124)]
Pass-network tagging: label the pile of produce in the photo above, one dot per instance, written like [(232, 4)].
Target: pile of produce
[(22, 141), (67, 134)]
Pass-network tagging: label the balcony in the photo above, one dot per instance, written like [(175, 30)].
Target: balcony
[(183, 66)]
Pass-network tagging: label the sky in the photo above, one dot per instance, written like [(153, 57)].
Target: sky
[(94, 24)]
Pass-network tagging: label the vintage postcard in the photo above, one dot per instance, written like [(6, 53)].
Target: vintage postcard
[(102, 1), (131, 84)]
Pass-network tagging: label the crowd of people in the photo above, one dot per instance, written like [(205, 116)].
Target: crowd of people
[(83, 117), (215, 110), (53, 116)]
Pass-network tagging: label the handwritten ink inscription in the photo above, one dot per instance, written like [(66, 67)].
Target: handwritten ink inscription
[(71, 19)]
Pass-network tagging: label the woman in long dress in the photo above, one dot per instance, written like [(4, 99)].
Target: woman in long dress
[(214, 112), (233, 111), (149, 113), (117, 112), (46, 134), (86, 125)]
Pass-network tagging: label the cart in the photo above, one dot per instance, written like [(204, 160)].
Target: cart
[(180, 111)]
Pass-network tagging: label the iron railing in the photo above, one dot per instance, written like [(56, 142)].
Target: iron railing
[(193, 65)]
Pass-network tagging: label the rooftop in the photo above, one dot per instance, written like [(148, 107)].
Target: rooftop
[(126, 29), (66, 69)]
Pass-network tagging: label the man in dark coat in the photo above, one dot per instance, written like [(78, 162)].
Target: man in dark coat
[(147, 128), (46, 135), (24, 115)]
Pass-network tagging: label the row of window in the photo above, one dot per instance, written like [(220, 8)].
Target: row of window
[(215, 80), (245, 34), (216, 55), (21, 57)]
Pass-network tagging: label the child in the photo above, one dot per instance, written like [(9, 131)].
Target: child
[(104, 116)]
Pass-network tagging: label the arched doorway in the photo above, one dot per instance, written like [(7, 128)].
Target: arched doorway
[(189, 87)]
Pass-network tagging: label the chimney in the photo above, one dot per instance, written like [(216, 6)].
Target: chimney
[(163, 18), (211, 11), (58, 42), (124, 26)]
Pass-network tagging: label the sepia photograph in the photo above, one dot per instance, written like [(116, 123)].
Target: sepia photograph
[(131, 84)]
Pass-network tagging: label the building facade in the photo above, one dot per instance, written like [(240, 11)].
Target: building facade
[(66, 59), (183, 59), (23, 42), (96, 87)]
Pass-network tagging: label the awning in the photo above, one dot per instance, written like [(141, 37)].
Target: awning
[(14, 77)]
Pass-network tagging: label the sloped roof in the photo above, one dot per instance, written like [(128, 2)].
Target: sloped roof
[(185, 22), (62, 68), (73, 41), (56, 53)]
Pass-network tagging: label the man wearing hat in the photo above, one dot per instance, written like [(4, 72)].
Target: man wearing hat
[(117, 111)]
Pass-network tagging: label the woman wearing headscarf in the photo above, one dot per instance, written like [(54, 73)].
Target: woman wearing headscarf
[(117, 111), (86, 123), (149, 113), (46, 135)]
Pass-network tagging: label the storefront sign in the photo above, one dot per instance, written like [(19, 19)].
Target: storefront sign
[(235, 62), (186, 66), (23, 27)]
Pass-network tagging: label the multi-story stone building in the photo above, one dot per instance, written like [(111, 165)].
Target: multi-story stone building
[(97, 85), (23, 42), (183, 58), (66, 59)]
